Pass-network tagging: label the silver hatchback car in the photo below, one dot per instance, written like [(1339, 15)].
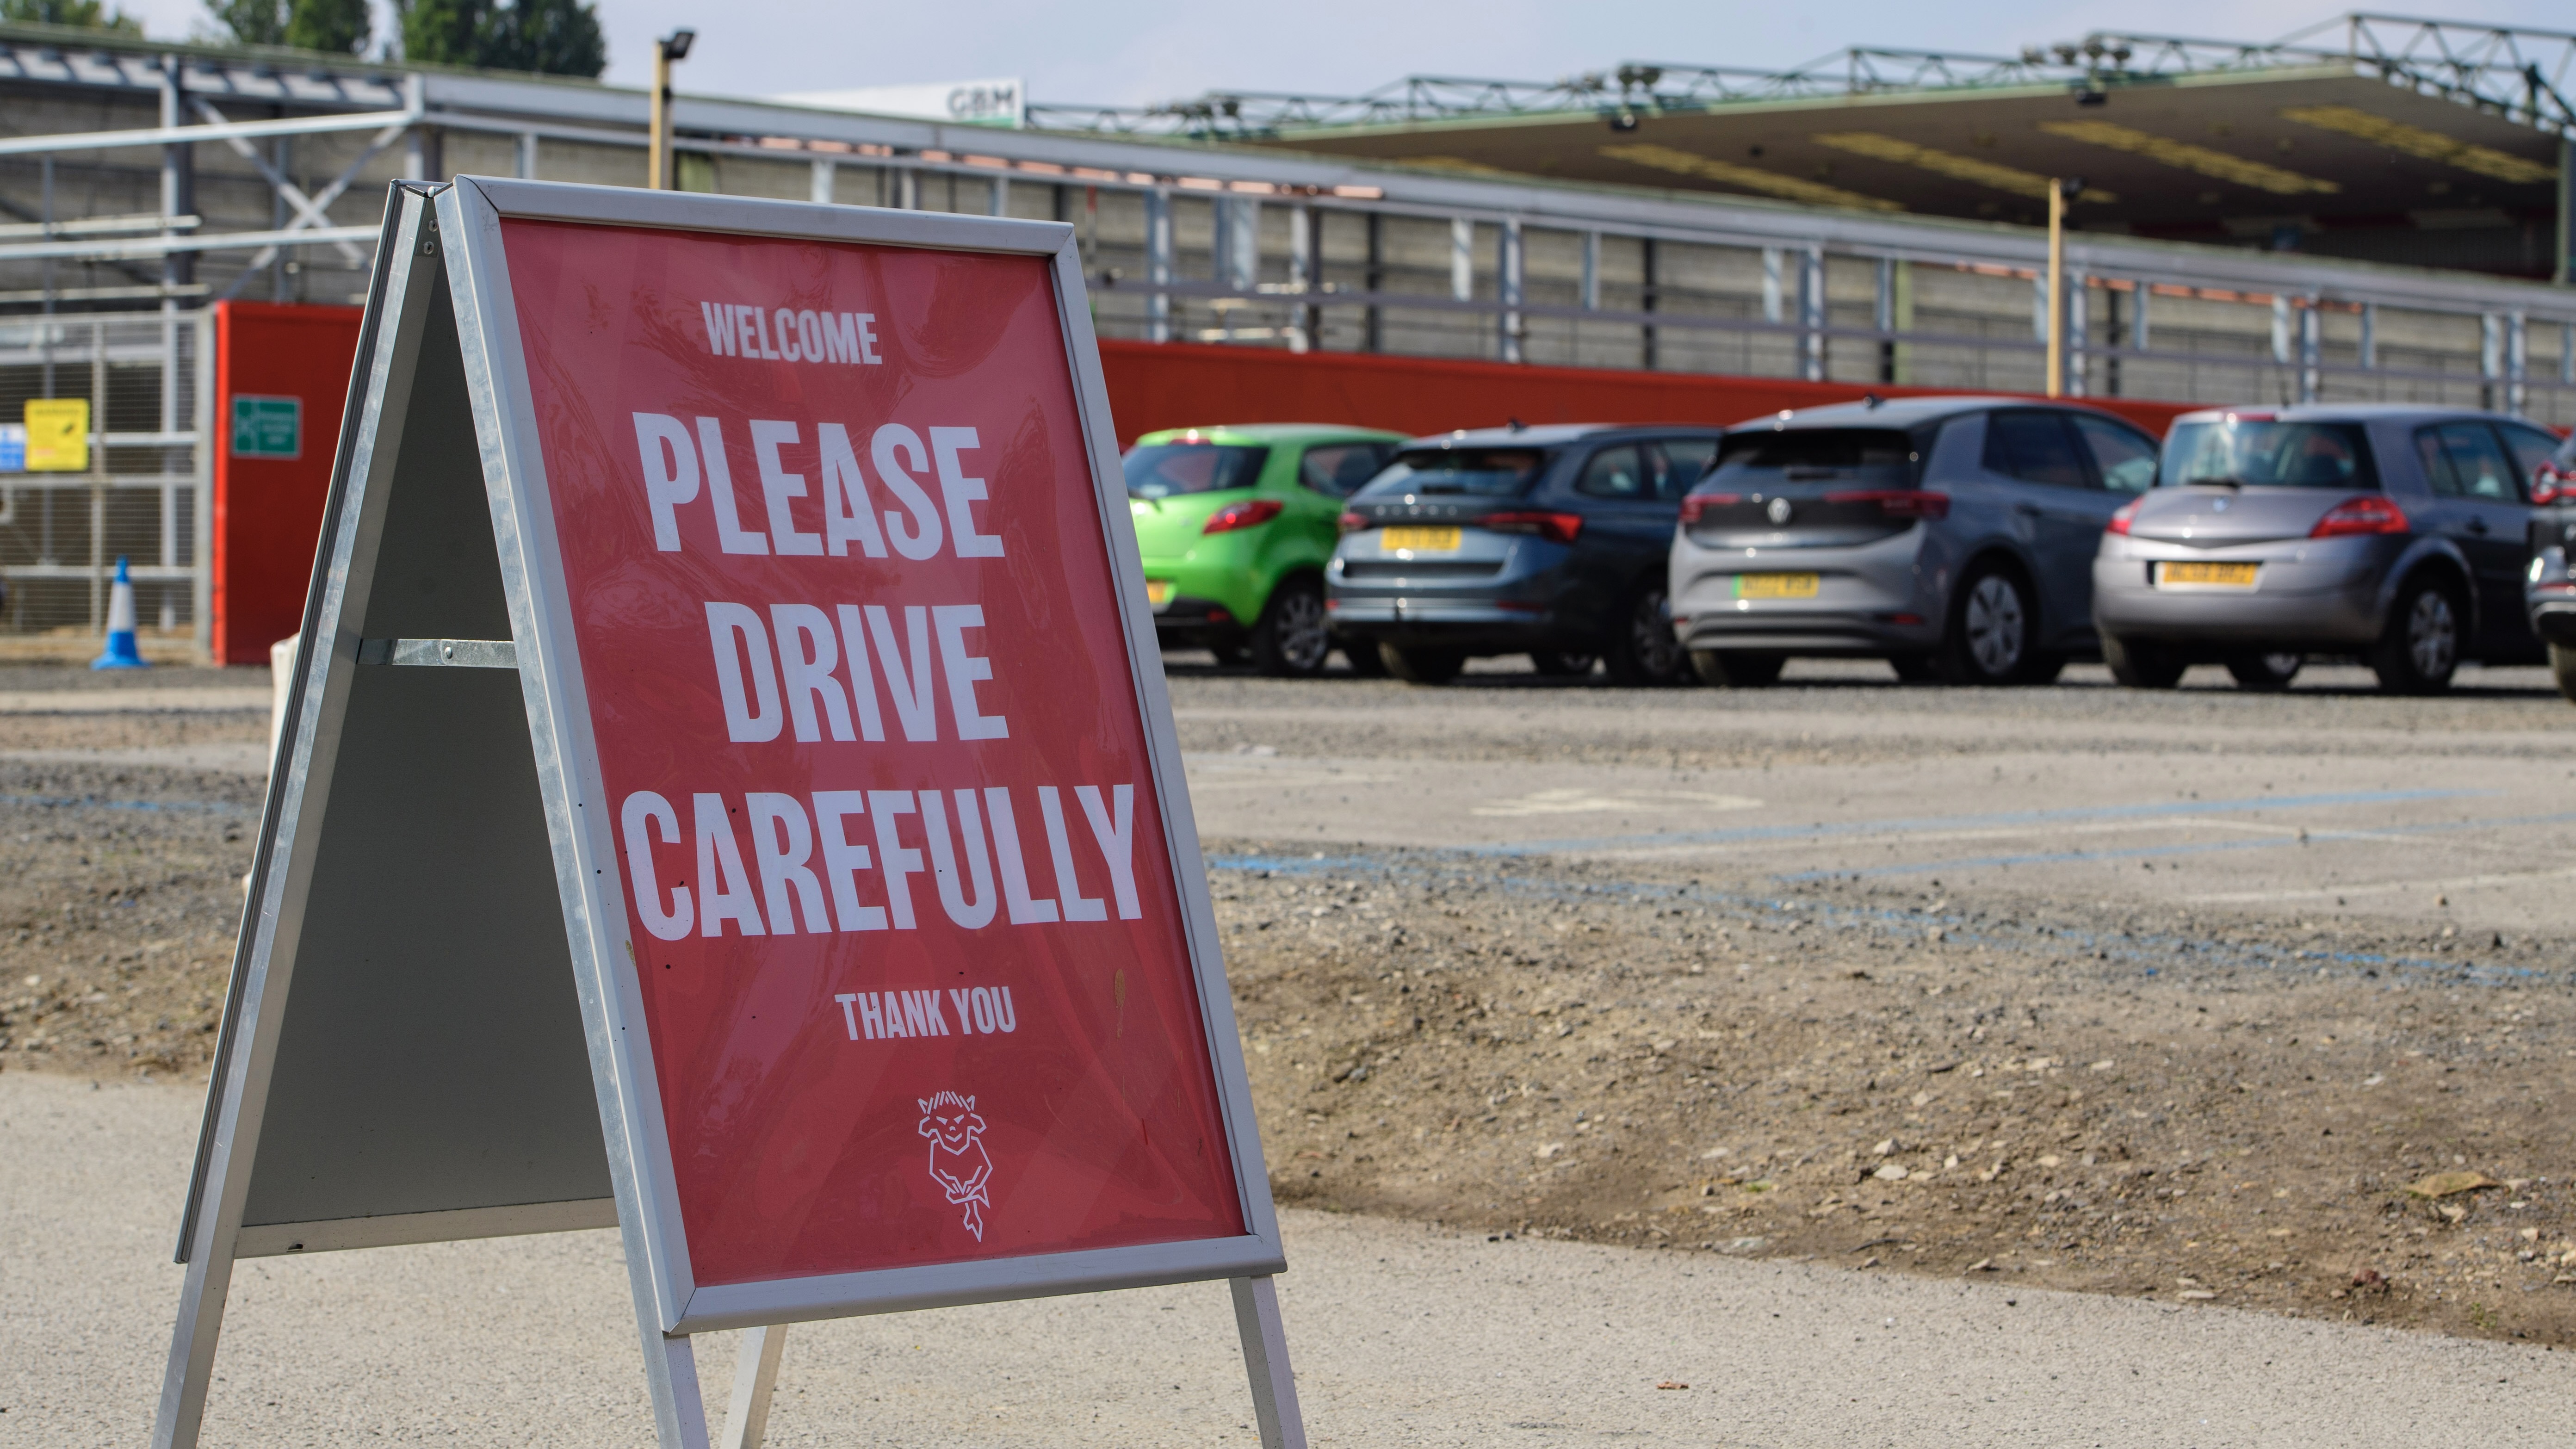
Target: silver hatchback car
[(1951, 536), (2394, 534)]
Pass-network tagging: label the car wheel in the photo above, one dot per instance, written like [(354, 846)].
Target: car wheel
[(1642, 649), (1736, 669), (1993, 633), (1362, 656), (2142, 663), (2562, 667), (1561, 664), (1914, 668), (2272, 670), (1422, 666), (1291, 641), (2420, 647)]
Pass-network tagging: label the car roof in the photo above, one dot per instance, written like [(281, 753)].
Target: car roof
[(1551, 435), (1272, 433), (2349, 413), (1899, 412)]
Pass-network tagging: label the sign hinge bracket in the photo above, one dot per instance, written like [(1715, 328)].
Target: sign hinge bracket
[(441, 653)]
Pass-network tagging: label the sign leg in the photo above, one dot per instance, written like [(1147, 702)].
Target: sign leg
[(192, 1346), (671, 1370), (754, 1375), (1265, 1358)]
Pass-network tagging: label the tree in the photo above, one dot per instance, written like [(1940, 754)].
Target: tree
[(555, 37), (86, 14), (337, 26)]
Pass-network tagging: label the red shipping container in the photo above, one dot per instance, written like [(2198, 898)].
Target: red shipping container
[(281, 386)]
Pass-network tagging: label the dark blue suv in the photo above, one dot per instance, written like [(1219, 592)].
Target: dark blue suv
[(1545, 541)]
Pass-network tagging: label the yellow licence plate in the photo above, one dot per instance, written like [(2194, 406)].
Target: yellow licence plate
[(1158, 592), (1775, 586), (1421, 540), (2223, 575)]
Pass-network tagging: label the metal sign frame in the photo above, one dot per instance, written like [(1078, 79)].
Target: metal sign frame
[(442, 250)]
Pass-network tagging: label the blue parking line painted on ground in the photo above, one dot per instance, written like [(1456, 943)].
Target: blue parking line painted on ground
[(2063, 857), (1920, 824)]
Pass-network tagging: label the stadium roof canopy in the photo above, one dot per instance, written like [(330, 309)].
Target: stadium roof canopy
[(2390, 138)]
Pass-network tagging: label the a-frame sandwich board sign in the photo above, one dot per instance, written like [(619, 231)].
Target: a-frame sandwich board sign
[(729, 793)]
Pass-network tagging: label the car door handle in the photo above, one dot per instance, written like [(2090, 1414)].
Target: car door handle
[(2028, 510), (2477, 525)]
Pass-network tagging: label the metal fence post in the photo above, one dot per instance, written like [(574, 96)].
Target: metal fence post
[(2370, 336), (1305, 275), (1507, 287), (1375, 280), (2490, 357), (2311, 349), (1649, 295), (1883, 317), (2079, 332), (1158, 262), (2517, 362), (818, 185), (1811, 314), (98, 475)]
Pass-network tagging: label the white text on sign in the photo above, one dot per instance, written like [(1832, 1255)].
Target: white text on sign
[(979, 876), (887, 1015), (790, 334), (678, 466)]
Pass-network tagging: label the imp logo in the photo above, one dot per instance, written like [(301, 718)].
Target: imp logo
[(957, 1160), (1778, 511)]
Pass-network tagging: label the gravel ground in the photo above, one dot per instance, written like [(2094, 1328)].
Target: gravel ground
[(2196, 1106)]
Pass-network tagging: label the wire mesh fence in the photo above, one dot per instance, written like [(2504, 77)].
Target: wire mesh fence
[(139, 496)]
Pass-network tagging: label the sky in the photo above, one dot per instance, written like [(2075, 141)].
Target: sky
[(1138, 52)]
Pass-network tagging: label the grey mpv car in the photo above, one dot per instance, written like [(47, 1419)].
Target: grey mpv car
[(1951, 536), (2396, 534)]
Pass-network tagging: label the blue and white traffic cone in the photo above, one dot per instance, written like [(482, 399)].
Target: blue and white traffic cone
[(121, 653)]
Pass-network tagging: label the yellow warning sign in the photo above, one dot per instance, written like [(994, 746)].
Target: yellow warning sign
[(58, 435)]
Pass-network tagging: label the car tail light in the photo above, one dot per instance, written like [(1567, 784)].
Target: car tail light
[(1698, 504), (1898, 502), (1556, 527), (2548, 485), (2365, 513), (1353, 523), (1250, 513), (2127, 515)]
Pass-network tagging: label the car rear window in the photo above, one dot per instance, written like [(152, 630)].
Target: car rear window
[(1167, 470), (2262, 452), (1474, 472), (1816, 448)]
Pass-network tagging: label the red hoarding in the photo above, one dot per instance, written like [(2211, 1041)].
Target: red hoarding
[(897, 888)]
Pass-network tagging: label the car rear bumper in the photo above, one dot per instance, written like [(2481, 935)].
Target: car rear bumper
[(2322, 593), (1511, 599), (1872, 598), (1488, 625)]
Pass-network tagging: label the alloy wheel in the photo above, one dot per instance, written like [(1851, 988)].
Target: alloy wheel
[(1303, 637), (1995, 624), (2432, 635), (1651, 626)]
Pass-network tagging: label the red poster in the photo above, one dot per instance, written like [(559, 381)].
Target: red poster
[(896, 879)]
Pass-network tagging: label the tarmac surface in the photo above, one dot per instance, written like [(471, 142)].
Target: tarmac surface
[(1402, 1334)]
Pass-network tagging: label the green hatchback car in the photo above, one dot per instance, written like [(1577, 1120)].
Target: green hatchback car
[(1236, 525)]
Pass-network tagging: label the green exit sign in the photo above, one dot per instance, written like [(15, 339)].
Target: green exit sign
[(268, 427)]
